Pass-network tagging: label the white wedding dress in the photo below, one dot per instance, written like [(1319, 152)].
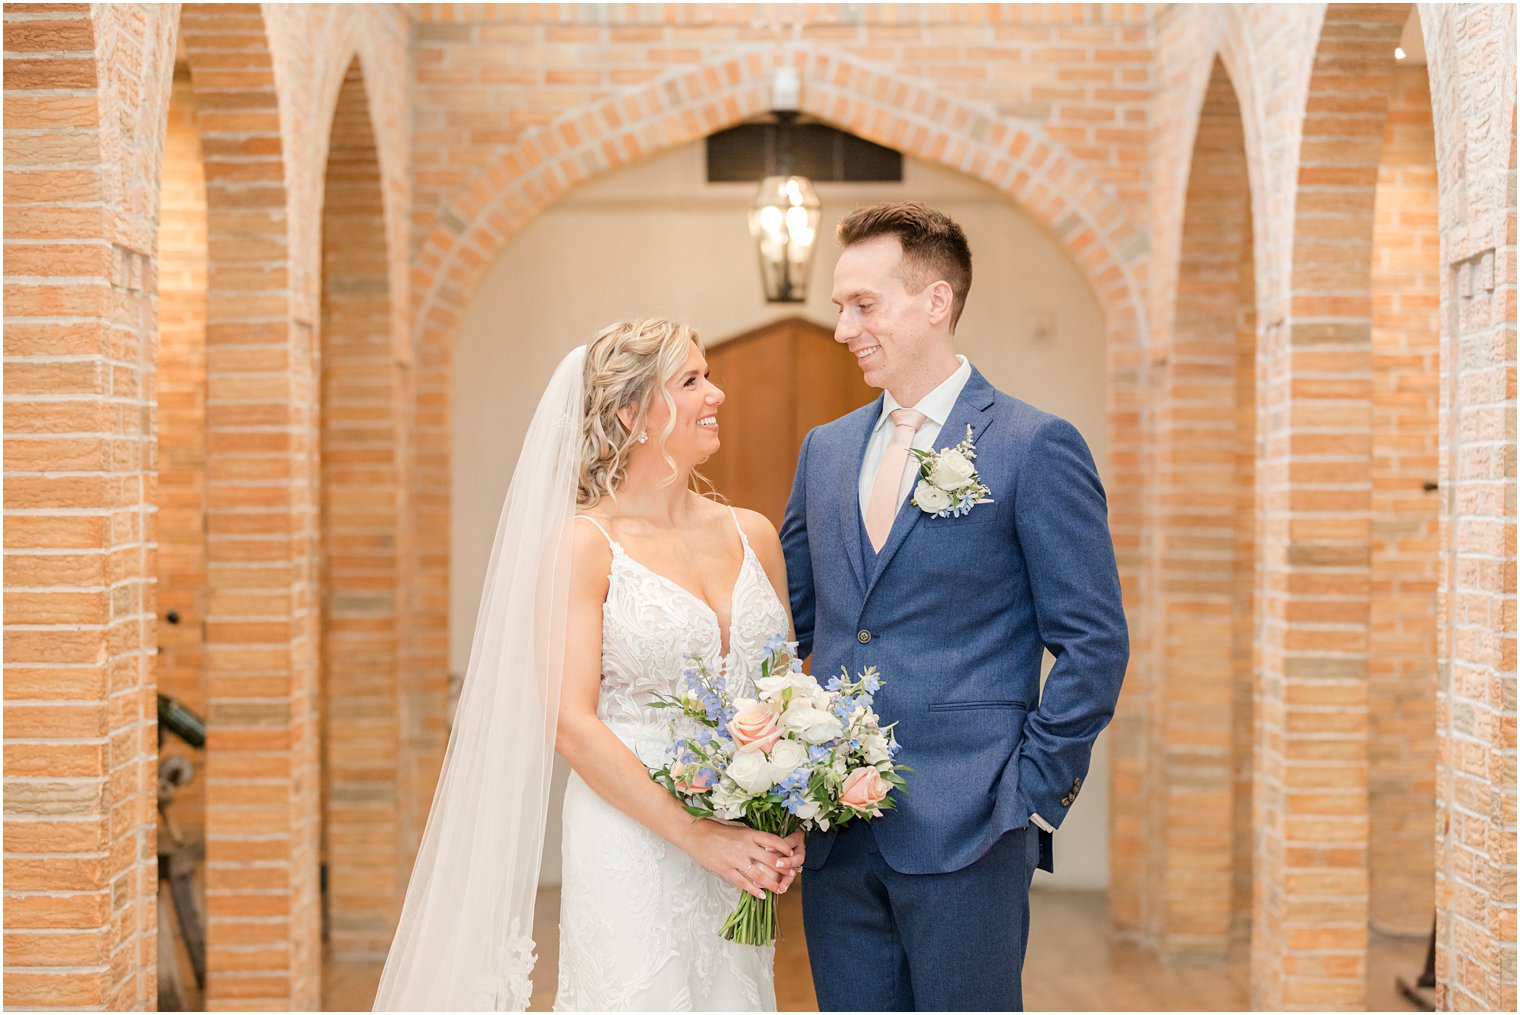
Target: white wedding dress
[(639, 918)]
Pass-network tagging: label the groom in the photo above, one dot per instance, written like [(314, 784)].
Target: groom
[(928, 907)]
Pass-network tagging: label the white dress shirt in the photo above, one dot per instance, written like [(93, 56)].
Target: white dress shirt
[(936, 407)]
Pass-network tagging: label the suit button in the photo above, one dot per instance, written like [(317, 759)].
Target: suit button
[(863, 636)]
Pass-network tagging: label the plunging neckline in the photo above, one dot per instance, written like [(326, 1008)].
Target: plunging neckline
[(733, 593)]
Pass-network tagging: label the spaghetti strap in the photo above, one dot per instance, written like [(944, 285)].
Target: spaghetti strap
[(742, 537), (605, 534)]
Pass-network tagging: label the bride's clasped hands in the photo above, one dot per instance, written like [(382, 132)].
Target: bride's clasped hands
[(753, 861)]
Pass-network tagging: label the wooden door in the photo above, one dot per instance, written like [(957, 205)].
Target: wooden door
[(781, 380)]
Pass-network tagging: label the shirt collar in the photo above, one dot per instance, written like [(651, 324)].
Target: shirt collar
[(936, 405)]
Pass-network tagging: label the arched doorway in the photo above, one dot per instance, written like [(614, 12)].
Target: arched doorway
[(1405, 559), (236, 391), (1196, 890), (1092, 232), (1346, 442), (361, 521), (658, 240)]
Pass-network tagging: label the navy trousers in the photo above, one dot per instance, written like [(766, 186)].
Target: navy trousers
[(883, 941)]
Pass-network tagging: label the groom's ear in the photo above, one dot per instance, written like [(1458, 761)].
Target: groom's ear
[(941, 302)]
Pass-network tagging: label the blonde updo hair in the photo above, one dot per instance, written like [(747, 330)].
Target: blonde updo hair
[(627, 364)]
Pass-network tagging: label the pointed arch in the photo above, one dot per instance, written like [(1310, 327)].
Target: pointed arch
[(361, 531)]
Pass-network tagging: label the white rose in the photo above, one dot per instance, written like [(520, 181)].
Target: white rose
[(803, 687), (785, 756), (952, 471), (874, 747), (808, 810), (815, 725), (751, 771), (930, 498)]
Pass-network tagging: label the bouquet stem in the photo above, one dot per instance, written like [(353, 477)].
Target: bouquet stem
[(753, 921)]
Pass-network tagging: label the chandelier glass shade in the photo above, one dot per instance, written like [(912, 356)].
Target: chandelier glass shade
[(783, 221)]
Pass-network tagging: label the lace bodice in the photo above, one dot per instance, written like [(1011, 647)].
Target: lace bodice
[(650, 624)]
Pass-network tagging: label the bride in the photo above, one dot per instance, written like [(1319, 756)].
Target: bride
[(608, 570)]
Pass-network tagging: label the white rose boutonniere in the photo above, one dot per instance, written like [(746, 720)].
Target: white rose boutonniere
[(948, 483), (953, 470)]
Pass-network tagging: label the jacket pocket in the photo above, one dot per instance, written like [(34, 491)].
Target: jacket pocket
[(959, 706)]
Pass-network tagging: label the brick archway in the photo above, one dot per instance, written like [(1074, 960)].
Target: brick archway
[(361, 529), (1016, 159), (262, 811), (1190, 808), (1311, 811)]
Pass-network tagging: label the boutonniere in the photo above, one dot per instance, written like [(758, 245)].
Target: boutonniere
[(948, 484)]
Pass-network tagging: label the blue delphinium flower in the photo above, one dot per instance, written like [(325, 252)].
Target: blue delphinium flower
[(794, 789)]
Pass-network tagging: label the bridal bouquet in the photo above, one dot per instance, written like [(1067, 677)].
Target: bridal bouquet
[(796, 756)]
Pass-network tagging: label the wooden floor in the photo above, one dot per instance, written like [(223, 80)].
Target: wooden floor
[(1074, 964)]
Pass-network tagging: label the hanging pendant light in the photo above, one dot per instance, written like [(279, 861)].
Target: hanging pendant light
[(785, 214), (783, 220)]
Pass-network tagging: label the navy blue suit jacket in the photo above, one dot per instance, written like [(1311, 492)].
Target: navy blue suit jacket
[(956, 613)]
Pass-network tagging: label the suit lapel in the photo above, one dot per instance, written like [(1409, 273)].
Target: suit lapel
[(855, 440), (970, 410)]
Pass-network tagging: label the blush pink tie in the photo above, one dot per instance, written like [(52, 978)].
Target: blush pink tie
[(885, 500)]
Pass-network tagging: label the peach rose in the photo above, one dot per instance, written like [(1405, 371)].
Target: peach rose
[(864, 789), (689, 779), (754, 725)]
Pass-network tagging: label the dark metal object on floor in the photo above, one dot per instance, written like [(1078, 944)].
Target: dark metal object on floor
[(1421, 993), (181, 926)]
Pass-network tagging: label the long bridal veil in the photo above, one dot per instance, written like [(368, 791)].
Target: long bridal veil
[(464, 942)]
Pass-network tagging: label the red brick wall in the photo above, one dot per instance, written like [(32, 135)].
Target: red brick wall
[(261, 613), (1091, 117), (79, 712), (1473, 100)]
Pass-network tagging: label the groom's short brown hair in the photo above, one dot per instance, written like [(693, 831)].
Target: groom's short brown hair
[(933, 246)]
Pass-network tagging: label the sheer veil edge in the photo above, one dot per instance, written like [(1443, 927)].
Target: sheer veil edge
[(464, 941)]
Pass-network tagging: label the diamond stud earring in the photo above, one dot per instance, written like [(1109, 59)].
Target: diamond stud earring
[(643, 437)]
